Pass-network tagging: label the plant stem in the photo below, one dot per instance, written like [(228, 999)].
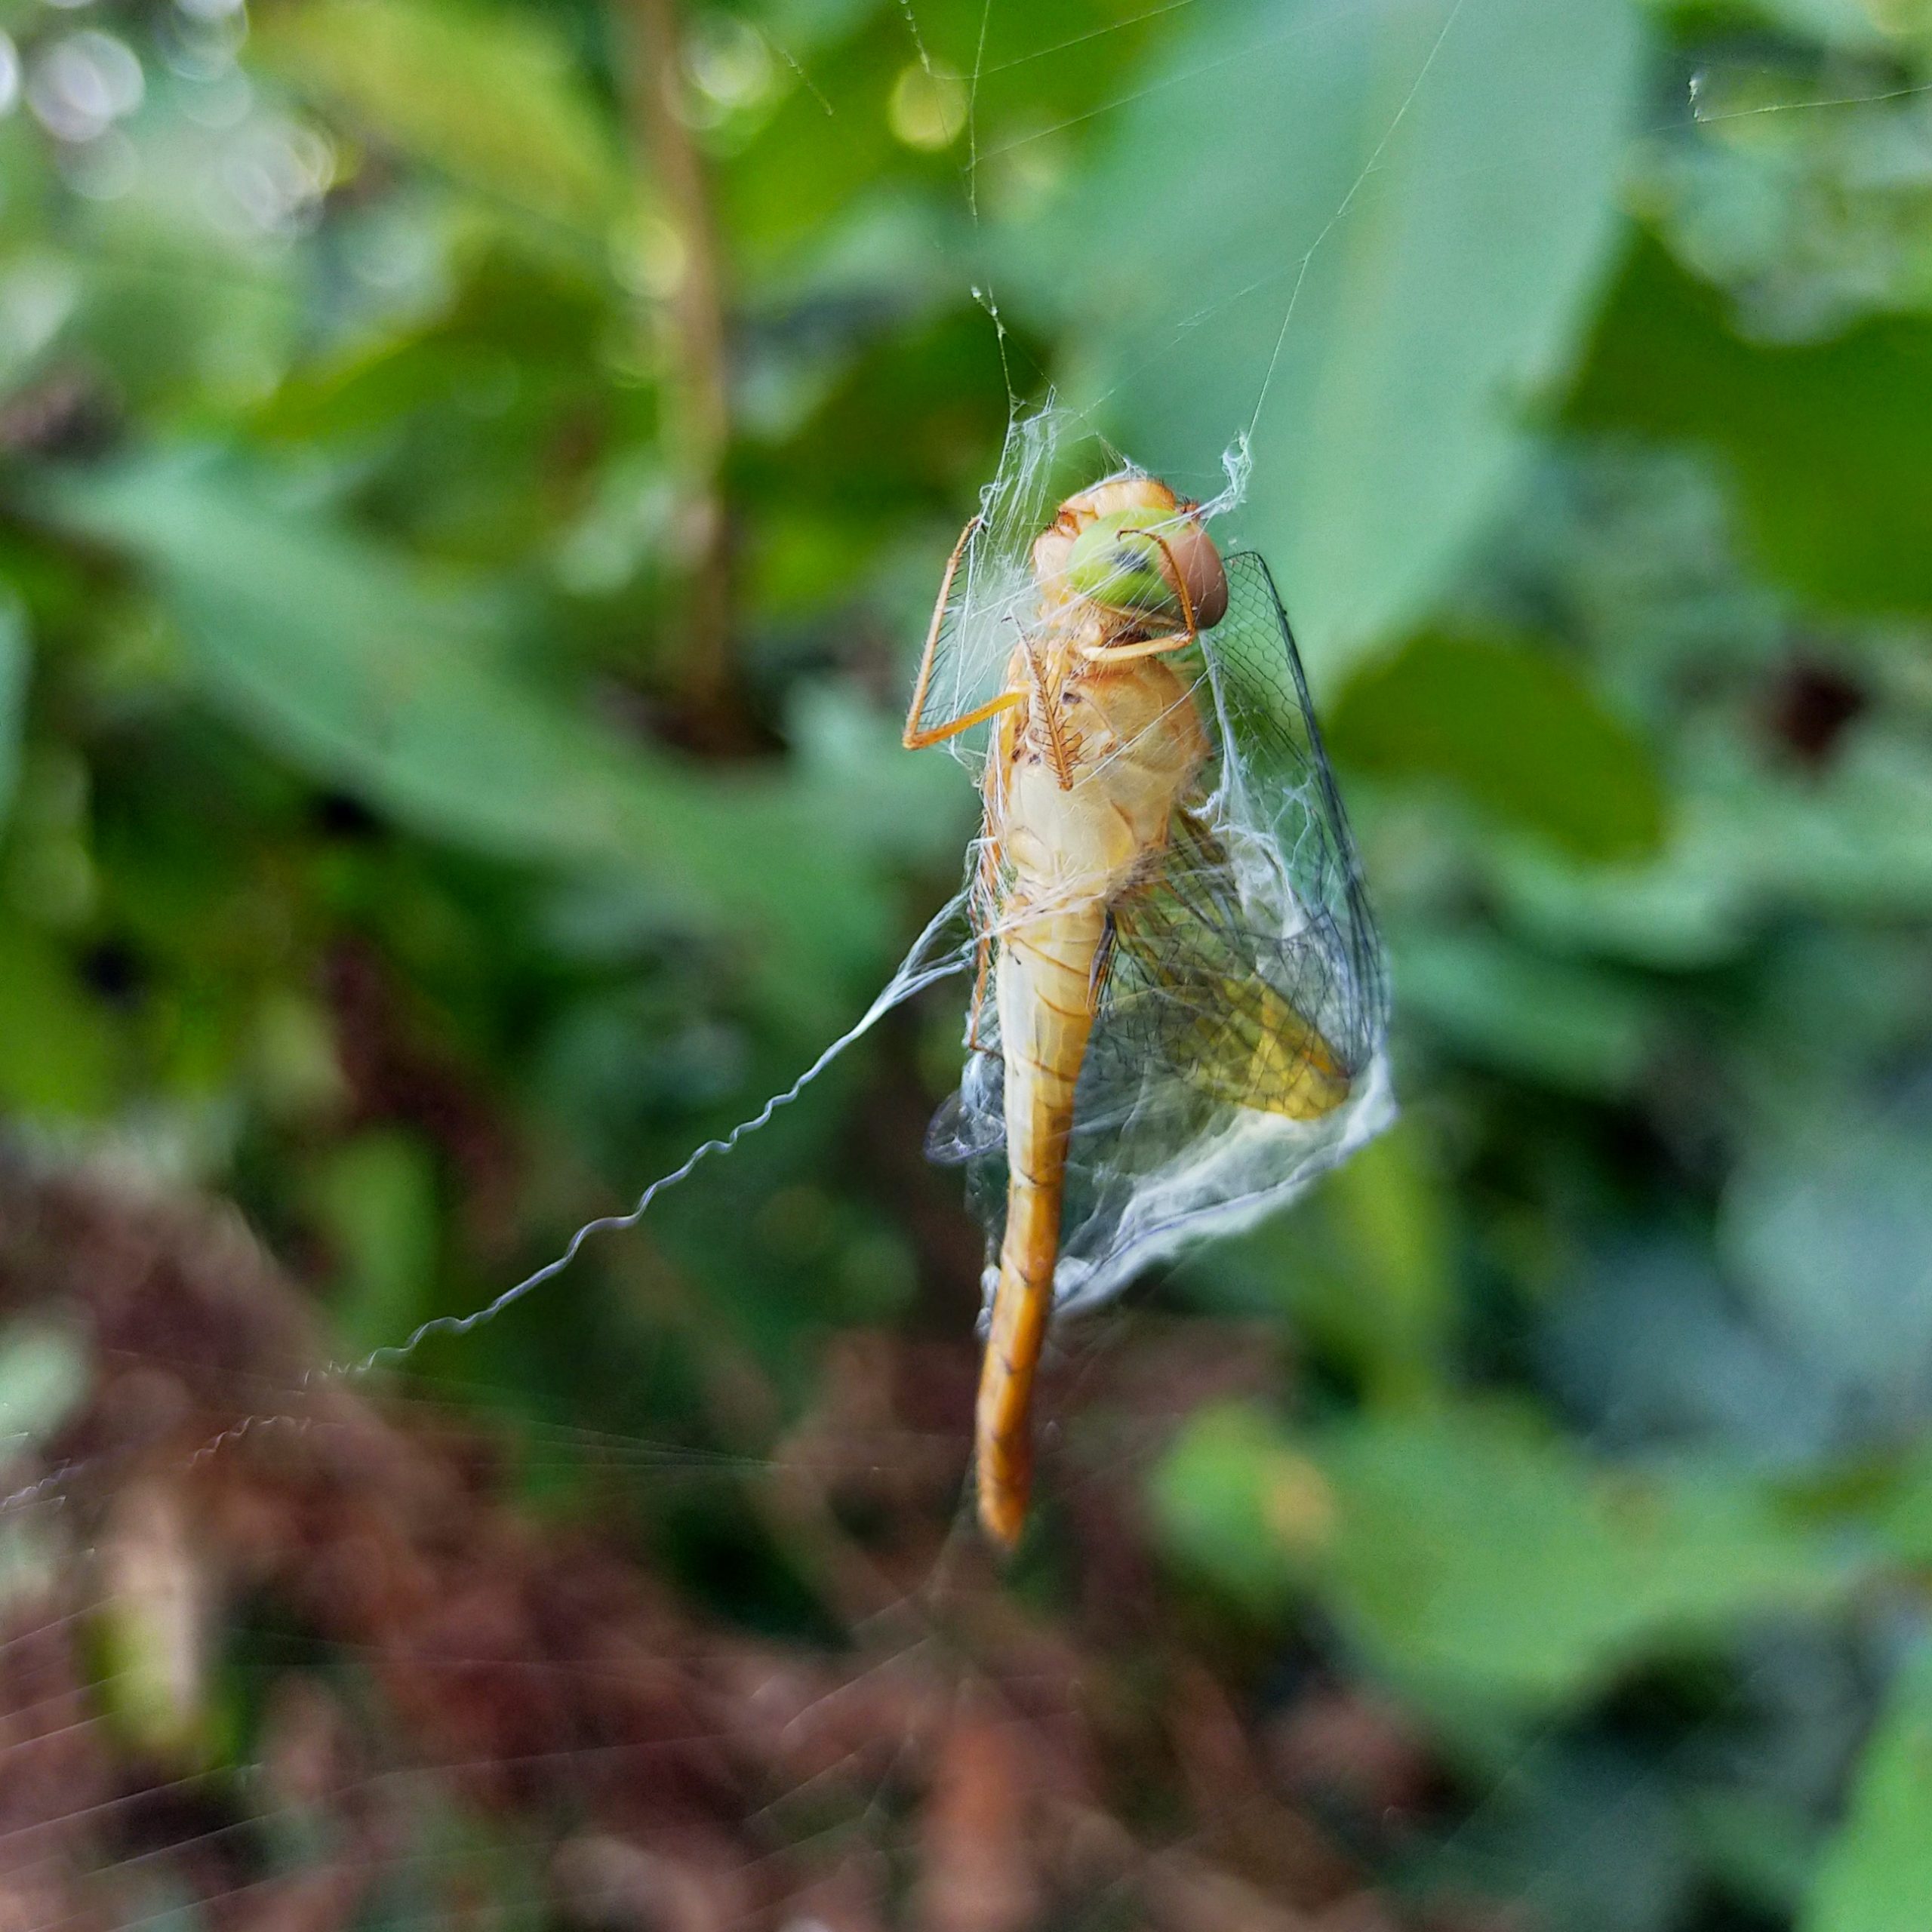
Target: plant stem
[(698, 404)]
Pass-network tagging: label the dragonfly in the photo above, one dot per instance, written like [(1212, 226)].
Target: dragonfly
[(1180, 1002)]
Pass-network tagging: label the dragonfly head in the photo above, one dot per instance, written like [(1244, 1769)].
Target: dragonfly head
[(1102, 545)]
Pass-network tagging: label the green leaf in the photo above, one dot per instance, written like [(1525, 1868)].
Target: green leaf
[(376, 1198), (1850, 23), (1825, 442), (1241, 1504), (1876, 1874), (16, 662), (1563, 1023), (43, 1380), (1364, 1273), (1392, 1219), (57, 1057), (1369, 232), (341, 658), (490, 97), (1828, 1231), (1901, 1514), (1749, 842), (1510, 726), (1472, 1552)]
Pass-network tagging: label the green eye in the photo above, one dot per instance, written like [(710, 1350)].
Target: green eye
[(1115, 563)]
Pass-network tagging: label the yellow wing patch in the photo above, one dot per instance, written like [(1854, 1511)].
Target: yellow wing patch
[(1227, 1008)]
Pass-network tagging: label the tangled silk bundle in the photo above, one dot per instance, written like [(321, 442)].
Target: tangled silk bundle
[(1246, 959)]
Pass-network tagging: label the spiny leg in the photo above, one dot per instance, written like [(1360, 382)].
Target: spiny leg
[(917, 741), (926, 657), (916, 737), (1046, 707), (986, 917)]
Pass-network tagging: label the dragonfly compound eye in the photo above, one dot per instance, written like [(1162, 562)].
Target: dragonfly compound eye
[(1137, 561)]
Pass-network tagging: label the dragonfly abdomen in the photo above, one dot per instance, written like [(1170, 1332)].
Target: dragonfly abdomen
[(1133, 744), (1045, 994)]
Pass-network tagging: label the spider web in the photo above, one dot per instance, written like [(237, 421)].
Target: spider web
[(566, 1731)]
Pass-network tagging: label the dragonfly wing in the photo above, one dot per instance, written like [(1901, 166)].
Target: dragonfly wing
[(1246, 961), (1238, 1044), (971, 1122), (1222, 999), (1283, 861), (1240, 1002)]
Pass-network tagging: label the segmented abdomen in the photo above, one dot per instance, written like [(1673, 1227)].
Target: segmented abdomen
[(1045, 994), (1135, 744)]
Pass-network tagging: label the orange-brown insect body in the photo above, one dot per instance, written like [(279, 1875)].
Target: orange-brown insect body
[(1098, 740)]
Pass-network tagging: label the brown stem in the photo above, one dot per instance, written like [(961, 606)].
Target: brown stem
[(699, 396)]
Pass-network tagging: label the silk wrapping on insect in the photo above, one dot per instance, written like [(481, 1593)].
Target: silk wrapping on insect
[(1257, 901)]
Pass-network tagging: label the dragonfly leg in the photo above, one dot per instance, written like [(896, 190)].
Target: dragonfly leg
[(983, 892), (916, 741), (1046, 707), (1118, 654), (916, 736)]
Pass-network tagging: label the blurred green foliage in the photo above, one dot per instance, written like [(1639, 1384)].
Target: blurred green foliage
[(372, 853)]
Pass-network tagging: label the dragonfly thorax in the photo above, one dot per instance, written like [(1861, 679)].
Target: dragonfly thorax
[(1088, 771)]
